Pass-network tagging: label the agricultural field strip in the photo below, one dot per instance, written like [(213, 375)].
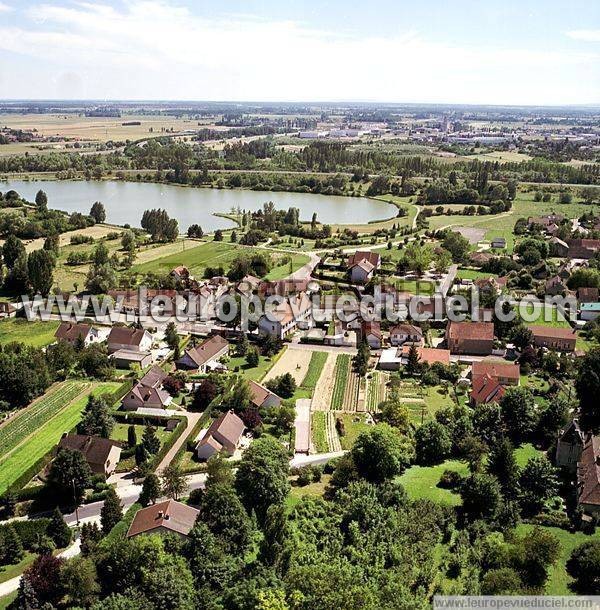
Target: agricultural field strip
[(30, 419), (351, 394), (46, 437), (315, 368), (324, 388), (342, 371)]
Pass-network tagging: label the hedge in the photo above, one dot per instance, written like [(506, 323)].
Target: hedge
[(29, 531), (119, 531)]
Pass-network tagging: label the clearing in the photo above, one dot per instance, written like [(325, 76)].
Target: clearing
[(293, 361), (36, 333)]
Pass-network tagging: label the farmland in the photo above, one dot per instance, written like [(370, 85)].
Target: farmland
[(376, 390), (37, 334), (67, 402), (296, 362), (343, 366), (315, 368)]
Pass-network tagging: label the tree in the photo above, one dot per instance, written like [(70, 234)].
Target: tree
[(283, 385), (97, 212), (457, 245), (262, 476), (503, 465), (52, 244), (151, 490), (252, 357), (521, 336), (552, 419), (518, 412), (40, 269), (413, 366), (381, 453), (12, 547), (70, 474), (141, 455), (205, 393), (223, 512), (44, 576), (41, 201), (111, 512), (174, 482), (101, 278), (171, 336), (362, 358), (96, 419), (501, 581), (61, 357), (131, 436), (90, 537), (195, 230), (26, 598), (584, 567), (12, 249), (587, 385), (80, 581), (150, 441), (159, 225), (218, 471), (218, 236), (433, 443), (540, 549), (538, 483), (481, 496), (395, 413), (94, 361), (58, 530), (128, 241)]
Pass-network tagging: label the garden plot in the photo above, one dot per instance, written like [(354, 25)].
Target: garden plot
[(346, 387), (324, 388), (293, 361), (376, 390)]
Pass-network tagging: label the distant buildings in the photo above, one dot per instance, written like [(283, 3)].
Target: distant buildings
[(474, 338), (560, 339)]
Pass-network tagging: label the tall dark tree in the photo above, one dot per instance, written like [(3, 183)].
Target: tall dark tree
[(40, 270), (70, 474), (41, 201), (97, 212), (150, 440), (111, 512), (151, 490), (11, 250), (587, 385), (96, 419), (503, 465), (58, 530)]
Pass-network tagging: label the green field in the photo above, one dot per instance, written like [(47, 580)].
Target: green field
[(38, 333), (196, 259), (354, 424), (421, 482), (318, 434), (281, 271), (47, 434), (252, 373), (315, 367), (341, 374)]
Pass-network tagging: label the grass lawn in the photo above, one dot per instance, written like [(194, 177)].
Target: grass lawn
[(548, 316), (36, 333), (354, 424), (254, 373), (424, 287), (196, 258), (281, 271), (313, 490), (119, 432), (525, 452), (558, 579), (421, 482), (16, 569), (471, 274), (47, 434), (7, 600)]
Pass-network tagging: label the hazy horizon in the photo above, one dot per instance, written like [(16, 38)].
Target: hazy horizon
[(516, 53)]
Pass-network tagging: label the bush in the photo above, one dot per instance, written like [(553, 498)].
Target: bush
[(450, 479)]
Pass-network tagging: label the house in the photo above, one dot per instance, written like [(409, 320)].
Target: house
[(558, 247), (362, 265), (403, 333), (224, 435), (147, 392), (262, 397), (545, 221), (555, 285), (168, 517), (589, 311), (7, 310), (129, 339), (294, 312), (180, 273), (487, 285), (561, 339), (371, 333), (475, 338), (486, 389), (480, 258), (583, 248), (71, 333), (587, 295), (588, 477), (499, 243), (204, 356), (124, 358), (101, 454), (569, 446), (392, 358), (506, 373)]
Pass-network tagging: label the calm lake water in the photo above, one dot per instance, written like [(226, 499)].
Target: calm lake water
[(126, 201)]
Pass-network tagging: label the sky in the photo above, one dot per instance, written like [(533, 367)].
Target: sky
[(530, 52)]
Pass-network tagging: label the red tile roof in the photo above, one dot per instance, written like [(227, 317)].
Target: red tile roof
[(354, 259), (496, 369), (170, 514), (471, 330)]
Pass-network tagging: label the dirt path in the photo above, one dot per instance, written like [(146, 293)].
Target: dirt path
[(333, 440), (192, 420), (295, 362), (324, 388)]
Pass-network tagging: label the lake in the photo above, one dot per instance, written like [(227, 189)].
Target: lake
[(125, 202)]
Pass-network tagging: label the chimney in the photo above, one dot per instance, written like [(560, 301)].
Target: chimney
[(166, 516), (160, 514)]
